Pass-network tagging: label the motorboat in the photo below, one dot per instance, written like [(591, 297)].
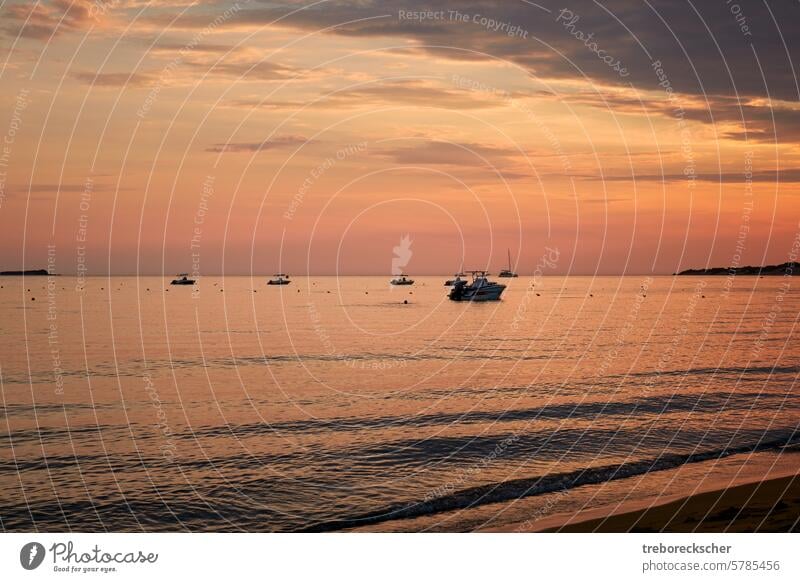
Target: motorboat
[(279, 279), (451, 282), (402, 280), (507, 273), (183, 279), (480, 289)]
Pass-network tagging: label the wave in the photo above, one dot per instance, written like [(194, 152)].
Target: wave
[(658, 405), (138, 368), (530, 486)]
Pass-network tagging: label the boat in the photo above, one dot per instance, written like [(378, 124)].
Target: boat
[(183, 279), (451, 282), (402, 280), (280, 279), (480, 289), (507, 273)]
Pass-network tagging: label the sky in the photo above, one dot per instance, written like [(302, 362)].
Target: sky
[(311, 138)]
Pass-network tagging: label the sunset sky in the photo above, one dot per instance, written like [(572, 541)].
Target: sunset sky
[(634, 137)]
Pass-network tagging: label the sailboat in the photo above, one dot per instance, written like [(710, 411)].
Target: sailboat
[(507, 273)]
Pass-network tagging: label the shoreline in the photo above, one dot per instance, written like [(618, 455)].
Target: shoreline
[(766, 505)]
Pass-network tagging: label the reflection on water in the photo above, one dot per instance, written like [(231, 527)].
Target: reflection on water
[(135, 405)]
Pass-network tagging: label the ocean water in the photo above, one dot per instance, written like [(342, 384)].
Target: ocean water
[(332, 404)]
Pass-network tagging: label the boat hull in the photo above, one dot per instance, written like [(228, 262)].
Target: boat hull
[(485, 293)]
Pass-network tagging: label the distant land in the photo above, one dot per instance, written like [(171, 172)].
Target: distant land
[(790, 268), (31, 273)]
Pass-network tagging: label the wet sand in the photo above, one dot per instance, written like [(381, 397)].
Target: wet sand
[(771, 505)]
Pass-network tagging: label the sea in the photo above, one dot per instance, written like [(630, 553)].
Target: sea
[(347, 404)]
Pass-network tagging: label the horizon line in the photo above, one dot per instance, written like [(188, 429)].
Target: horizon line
[(166, 274)]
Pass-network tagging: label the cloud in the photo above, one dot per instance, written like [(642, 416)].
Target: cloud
[(42, 20), (705, 50), (720, 63), (175, 46), (761, 122), (786, 176), (39, 188), (702, 47), (220, 60), (279, 142), (114, 79), (39, 191), (451, 154), (260, 103), (739, 118), (411, 92), (246, 70)]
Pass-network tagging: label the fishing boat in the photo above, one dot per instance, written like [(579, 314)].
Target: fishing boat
[(507, 273), (480, 289), (279, 279), (451, 282), (183, 279), (402, 280)]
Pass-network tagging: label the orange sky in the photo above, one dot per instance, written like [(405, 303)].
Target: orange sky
[(156, 136)]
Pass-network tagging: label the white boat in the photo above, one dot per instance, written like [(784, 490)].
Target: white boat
[(183, 279), (480, 289), (507, 273), (280, 279), (402, 280)]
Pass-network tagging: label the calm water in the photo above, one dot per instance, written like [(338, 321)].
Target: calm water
[(331, 404)]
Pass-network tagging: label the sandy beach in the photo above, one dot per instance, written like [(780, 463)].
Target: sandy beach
[(771, 505)]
